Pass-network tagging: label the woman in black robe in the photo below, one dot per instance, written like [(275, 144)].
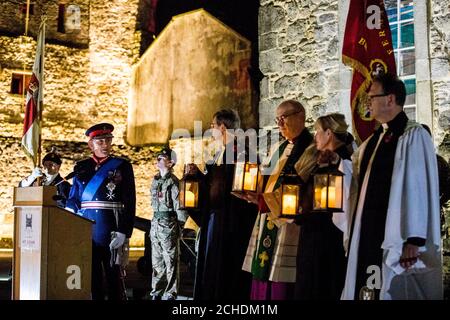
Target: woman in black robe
[(321, 261)]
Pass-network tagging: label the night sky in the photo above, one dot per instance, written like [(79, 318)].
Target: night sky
[(241, 15)]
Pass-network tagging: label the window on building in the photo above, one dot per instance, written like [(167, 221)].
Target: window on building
[(19, 81), (401, 20), (61, 17)]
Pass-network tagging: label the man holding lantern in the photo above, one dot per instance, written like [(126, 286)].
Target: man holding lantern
[(272, 249)]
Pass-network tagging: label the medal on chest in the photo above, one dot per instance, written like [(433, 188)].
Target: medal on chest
[(110, 186), (110, 194)]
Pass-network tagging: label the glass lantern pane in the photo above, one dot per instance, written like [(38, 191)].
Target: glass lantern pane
[(182, 188), (290, 196), (250, 176), (335, 192), (238, 176), (320, 191), (191, 196)]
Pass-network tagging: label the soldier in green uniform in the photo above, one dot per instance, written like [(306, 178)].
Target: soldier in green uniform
[(165, 228)]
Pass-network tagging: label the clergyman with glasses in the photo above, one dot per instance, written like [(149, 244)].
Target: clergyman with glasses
[(395, 244), (272, 248)]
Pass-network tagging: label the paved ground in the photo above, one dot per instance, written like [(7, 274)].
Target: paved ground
[(138, 285)]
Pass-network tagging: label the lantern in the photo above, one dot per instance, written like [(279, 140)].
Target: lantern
[(247, 177), (328, 187), (189, 189), (290, 194)]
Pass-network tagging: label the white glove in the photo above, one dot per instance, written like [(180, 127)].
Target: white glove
[(117, 241), (28, 181), (37, 172)]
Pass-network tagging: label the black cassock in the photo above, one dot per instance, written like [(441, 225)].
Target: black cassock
[(226, 224), (321, 261)]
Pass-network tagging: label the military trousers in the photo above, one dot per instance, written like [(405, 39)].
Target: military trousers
[(164, 235)]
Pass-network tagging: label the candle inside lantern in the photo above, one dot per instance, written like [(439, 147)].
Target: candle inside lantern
[(331, 197), (189, 199), (289, 203), (250, 179), (318, 198)]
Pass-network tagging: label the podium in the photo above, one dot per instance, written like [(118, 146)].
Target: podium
[(52, 248)]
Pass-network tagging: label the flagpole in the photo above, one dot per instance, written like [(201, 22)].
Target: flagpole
[(41, 89), (27, 17)]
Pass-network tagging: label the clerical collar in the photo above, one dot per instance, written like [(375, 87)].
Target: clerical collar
[(396, 125), (294, 140)]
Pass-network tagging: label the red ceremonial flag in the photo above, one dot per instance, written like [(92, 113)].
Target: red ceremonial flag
[(31, 124), (367, 48)]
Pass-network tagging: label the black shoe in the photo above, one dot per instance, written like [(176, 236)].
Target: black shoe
[(156, 298), (171, 298)]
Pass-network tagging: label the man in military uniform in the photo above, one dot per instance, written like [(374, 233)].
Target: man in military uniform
[(51, 164), (164, 232), (104, 191)]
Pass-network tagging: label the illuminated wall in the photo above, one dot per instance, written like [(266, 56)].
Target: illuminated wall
[(87, 78), (195, 67)]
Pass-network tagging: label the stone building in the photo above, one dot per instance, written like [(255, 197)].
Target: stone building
[(300, 56), (195, 67), (88, 72), (300, 45), (91, 48)]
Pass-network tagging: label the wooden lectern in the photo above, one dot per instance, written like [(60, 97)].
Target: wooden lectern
[(52, 248)]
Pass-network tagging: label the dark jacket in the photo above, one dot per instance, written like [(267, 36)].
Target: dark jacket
[(124, 192)]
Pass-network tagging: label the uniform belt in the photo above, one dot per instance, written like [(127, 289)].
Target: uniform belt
[(164, 214), (101, 205)]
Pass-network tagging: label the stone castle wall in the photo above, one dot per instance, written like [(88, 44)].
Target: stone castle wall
[(440, 72), (299, 56), (87, 78)]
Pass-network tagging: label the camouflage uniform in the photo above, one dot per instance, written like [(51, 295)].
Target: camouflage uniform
[(164, 234)]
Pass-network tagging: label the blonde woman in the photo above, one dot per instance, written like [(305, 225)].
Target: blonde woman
[(321, 261)]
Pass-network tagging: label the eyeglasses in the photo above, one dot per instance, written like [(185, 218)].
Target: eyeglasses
[(283, 117), (370, 97)]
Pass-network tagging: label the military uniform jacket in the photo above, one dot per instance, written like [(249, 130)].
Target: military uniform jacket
[(164, 193), (113, 206)]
